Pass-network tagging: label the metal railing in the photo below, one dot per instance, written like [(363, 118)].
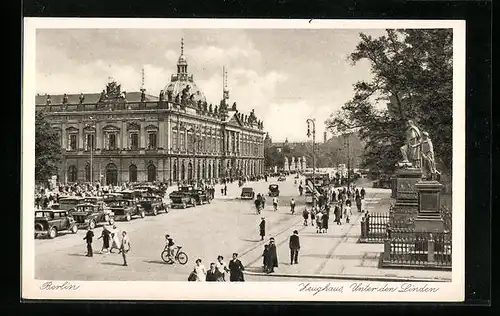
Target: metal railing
[(374, 227)]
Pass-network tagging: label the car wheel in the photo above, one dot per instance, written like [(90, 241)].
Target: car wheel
[(52, 233), (128, 217), (92, 224), (143, 214), (74, 229)]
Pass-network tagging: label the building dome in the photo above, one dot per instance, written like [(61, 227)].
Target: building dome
[(182, 83), (175, 87)]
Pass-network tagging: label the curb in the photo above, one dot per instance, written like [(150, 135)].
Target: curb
[(349, 277)]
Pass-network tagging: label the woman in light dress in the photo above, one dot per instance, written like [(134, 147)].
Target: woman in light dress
[(200, 271), (115, 240)]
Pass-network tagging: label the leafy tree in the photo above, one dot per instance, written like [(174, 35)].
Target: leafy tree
[(47, 149), (413, 75)]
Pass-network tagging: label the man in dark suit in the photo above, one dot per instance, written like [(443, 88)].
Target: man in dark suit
[(262, 228), (212, 274), (88, 237), (294, 247)]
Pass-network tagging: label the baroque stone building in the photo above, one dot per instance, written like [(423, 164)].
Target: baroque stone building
[(115, 137)]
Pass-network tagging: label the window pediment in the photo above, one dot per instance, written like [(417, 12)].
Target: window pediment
[(110, 128), (151, 127), (133, 126), (72, 129)]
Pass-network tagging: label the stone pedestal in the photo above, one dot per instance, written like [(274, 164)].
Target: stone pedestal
[(429, 202), (394, 187), (406, 208)]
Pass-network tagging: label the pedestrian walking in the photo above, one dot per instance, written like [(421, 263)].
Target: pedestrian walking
[(221, 268), (236, 269), (115, 240), (294, 244), (265, 258), (337, 212), (313, 217), (212, 273), (88, 238), (273, 256), (225, 189), (362, 192), (358, 202), (347, 213), (324, 221), (262, 228), (124, 247), (319, 223), (292, 206), (200, 271), (105, 235), (275, 203), (305, 215)]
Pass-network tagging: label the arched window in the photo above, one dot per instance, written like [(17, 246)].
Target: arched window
[(132, 173), (72, 173), (151, 173), (183, 172), (87, 172), (174, 172), (111, 174), (198, 171)]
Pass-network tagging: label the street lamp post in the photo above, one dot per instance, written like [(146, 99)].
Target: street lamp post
[(309, 123)]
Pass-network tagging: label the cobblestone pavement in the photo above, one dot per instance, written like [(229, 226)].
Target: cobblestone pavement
[(225, 226)]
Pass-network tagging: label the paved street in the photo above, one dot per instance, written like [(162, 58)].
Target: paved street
[(225, 226)]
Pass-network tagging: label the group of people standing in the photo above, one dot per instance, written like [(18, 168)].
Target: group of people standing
[(110, 241), (218, 271)]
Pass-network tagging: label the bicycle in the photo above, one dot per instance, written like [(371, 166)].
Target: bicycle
[(179, 256)]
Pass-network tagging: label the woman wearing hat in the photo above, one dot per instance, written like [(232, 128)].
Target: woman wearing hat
[(115, 239)]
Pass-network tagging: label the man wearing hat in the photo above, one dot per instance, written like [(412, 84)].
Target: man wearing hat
[(262, 228), (294, 247)]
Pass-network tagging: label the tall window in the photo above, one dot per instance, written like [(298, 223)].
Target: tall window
[(151, 173), (111, 141), (182, 142), (72, 173), (87, 172), (174, 141), (72, 142), (174, 171), (90, 142), (152, 144), (190, 143), (132, 173), (134, 141)]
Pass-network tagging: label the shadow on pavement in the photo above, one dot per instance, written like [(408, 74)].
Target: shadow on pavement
[(112, 264), (251, 240), (254, 269), (157, 262), (77, 255)]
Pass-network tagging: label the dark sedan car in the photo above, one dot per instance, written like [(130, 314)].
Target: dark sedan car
[(247, 193)]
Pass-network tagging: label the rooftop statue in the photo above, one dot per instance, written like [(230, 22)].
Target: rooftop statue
[(65, 99), (210, 109), (234, 107), (49, 99), (82, 98), (169, 96)]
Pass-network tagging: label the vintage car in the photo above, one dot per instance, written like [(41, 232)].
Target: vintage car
[(274, 190), (153, 205), (51, 222), (247, 193), (95, 200), (108, 197), (91, 215), (132, 194), (281, 178), (183, 197), (126, 209), (69, 203), (201, 196), (151, 189)]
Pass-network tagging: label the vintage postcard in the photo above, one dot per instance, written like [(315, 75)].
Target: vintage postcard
[(207, 159)]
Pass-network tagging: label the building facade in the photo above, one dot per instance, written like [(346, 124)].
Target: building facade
[(115, 137)]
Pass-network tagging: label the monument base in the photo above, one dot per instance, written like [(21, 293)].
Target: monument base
[(429, 224)]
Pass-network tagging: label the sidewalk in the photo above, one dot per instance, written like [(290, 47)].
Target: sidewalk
[(337, 254)]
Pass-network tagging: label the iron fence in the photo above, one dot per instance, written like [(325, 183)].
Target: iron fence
[(374, 227), (418, 249)]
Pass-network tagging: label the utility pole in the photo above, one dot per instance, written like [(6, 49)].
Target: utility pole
[(311, 122)]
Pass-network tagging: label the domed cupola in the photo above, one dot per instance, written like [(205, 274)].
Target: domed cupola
[(182, 85)]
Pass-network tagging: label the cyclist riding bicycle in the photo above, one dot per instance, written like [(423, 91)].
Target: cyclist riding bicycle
[(170, 245)]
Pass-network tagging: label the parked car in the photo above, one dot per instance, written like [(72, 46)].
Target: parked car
[(126, 209), (247, 193), (51, 222), (281, 178), (95, 200), (201, 196), (153, 205), (274, 190), (91, 215), (183, 197), (112, 197), (151, 189), (69, 203)]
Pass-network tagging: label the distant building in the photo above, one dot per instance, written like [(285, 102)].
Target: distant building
[(280, 145), (137, 137)]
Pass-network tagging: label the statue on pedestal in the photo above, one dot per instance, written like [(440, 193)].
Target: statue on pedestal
[(411, 150), (82, 98), (286, 164), (162, 96), (428, 163)]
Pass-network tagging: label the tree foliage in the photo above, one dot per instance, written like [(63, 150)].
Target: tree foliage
[(412, 74), (47, 149)]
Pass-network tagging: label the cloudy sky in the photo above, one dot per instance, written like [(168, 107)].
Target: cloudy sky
[(285, 75)]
